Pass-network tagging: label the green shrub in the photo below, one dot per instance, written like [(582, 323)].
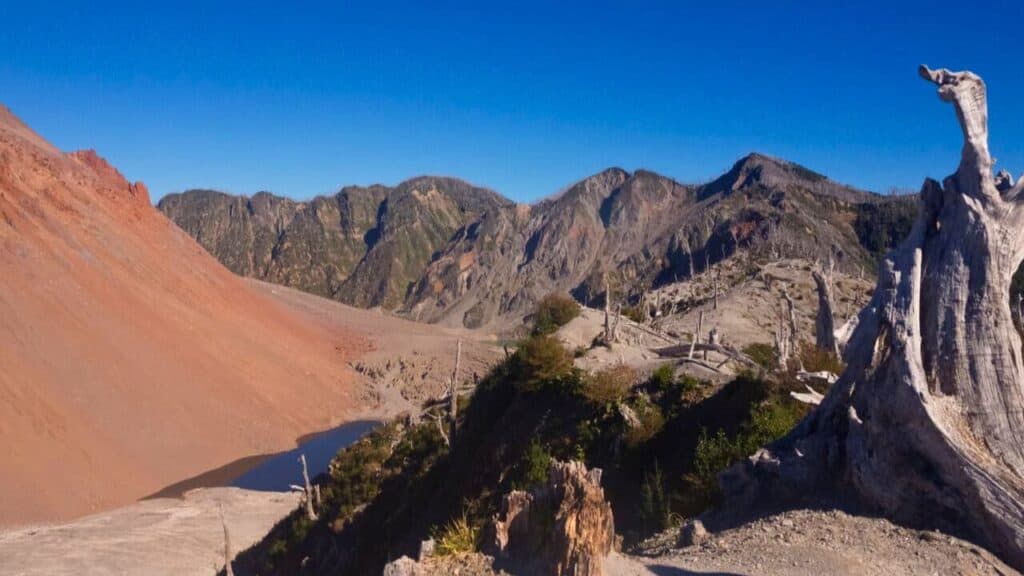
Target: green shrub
[(654, 508), (542, 359), (554, 311), (651, 422), (634, 313), (715, 453), (818, 359), (458, 536), (356, 470), (689, 385), (610, 385), (766, 355), (532, 469), (663, 377)]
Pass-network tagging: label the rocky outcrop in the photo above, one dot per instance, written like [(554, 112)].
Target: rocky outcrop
[(110, 177), (564, 528)]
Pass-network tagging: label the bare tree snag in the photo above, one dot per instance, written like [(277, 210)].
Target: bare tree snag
[(609, 330), (453, 394), (927, 423), (228, 554), (783, 340), (713, 338), (689, 256), (791, 318), (717, 277), (696, 337), (825, 324), (614, 337), (308, 495)]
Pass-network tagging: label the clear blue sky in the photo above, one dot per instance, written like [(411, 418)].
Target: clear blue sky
[(525, 97)]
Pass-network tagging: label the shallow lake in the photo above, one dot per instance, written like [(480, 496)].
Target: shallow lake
[(280, 471)]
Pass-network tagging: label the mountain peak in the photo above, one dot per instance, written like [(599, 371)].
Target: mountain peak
[(769, 171)]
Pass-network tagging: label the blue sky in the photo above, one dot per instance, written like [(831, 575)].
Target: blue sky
[(524, 97)]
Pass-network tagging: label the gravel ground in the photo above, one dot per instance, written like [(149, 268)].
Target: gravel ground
[(804, 542)]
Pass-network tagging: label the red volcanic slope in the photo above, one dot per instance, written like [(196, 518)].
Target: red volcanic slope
[(129, 358)]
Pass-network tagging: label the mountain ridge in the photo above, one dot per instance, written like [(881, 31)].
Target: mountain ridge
[(492, 258)]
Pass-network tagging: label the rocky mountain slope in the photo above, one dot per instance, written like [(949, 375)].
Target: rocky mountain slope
[(129, 358), (363, 246), (439, 250)]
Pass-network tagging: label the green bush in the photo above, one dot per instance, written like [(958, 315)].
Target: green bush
[(610, 385), (654, 508), (663, 377), (542, 359), (689, 385), (634, 313), (766, 355), (532, 469), (458, 536), (715, 453), (651, 422), (818, 359), (554, 311)]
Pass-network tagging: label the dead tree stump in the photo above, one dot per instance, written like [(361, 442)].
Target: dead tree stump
[(564, 528), (927, 423)]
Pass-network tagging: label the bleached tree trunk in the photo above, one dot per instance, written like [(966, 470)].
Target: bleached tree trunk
[(453, 395), (825, 324), (310, 513), (783, 340), (696, 337), (927, 423), (716, 288), (607, 310), (791, 318), (228, 554), (689, 256)]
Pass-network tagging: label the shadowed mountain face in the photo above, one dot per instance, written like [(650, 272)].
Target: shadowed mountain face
[(440, 250)]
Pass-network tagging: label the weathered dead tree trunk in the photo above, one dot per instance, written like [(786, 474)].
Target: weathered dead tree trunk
[(791, 319), (696, 337), (783, 338), (308, 495), (825, 324), (927, 423), (564, 527), (453, 395), (717, 276), (609, 327), (228, 554)]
